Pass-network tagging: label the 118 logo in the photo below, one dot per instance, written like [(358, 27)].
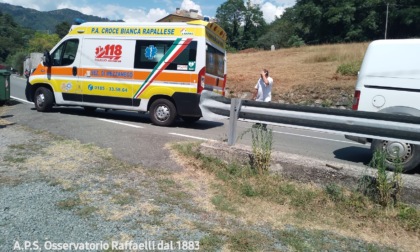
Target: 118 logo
[(110, 53)]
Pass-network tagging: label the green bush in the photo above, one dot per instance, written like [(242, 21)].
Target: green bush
[(388, 184), (349, 69), (295, 41), (262, 142), (248, 190)]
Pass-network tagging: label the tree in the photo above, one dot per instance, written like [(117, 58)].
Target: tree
[(330, 21), (404, 18), (62, 29), (367, 21), (42, 41), (12, 37), (308, 18), (283, 31), (244, 24), (16, 60), (254, 25), (231, 15)]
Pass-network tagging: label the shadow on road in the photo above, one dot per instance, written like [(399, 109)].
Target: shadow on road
[(5, 116), (4, 123), (12, 102), (354, 154), (130, 116)]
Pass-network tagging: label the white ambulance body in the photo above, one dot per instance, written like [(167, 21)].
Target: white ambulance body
[(157, 67), (389, 82)]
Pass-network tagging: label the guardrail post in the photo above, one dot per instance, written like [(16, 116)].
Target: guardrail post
[(235, 107)]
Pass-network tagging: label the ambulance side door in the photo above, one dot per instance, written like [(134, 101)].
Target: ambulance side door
[(107, 71)]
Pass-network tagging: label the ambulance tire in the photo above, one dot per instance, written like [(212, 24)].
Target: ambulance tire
[(190, 119), (43, 99), (162, 112)]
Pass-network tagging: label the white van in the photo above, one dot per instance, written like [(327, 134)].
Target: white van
[(389, 82), (157, 67)]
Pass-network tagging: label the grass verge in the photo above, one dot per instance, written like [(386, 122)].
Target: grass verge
[(346, 218)]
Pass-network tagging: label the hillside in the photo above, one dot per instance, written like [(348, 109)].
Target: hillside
[(304, 75), (44, 20)]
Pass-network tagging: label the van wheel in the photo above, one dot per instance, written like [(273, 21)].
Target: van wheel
[(162, 112), (409, 154), (190, 119), (44, 99)]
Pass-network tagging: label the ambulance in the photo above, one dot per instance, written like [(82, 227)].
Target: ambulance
[(160, 68)]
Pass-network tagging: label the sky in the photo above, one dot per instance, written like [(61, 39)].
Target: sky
[(146, 10)]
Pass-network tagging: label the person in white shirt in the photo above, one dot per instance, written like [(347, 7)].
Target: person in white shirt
[(263, 93), (263, 87)]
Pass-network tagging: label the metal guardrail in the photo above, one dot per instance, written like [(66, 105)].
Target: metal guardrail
[(356, 123)]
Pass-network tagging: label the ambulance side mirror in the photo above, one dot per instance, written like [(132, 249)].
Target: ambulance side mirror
[(47, 59)]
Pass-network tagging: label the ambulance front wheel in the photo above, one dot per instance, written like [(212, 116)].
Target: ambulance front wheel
[(162, 112), (43, 99)]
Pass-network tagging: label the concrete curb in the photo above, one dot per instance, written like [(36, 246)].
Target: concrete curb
[(310, 170)]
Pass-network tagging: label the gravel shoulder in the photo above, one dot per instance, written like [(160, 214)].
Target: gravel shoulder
[(59, 190)]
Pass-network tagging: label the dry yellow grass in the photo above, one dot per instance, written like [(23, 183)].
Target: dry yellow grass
[(309, 70), (321, 216)]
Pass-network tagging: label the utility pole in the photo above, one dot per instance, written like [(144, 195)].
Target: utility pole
[(386, 21)]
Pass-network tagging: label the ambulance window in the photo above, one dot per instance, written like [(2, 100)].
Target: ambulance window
[(215, 61), (150, 52), (65, 54)]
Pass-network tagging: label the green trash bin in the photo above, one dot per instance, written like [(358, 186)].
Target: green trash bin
[(4, 86)]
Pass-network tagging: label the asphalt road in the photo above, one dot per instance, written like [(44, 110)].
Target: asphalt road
[(133, 138)]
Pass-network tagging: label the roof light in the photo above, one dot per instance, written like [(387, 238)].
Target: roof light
[(78, 21)]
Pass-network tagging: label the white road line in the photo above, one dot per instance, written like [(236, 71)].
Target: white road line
[(188, 136), (21, 100), (320, 138), (120, 123)]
